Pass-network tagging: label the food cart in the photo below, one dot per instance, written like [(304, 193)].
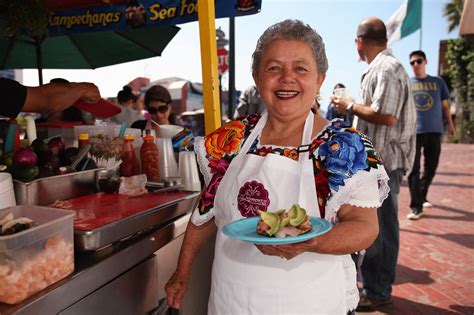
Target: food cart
[(126, 249)]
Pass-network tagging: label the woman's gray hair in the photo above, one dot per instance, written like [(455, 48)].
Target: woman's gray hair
[(292, 29)]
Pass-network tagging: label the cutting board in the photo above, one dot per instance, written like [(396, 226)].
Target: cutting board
[(94, 211)]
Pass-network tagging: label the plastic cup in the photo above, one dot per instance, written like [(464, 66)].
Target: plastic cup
[(342, 92), (188, 171), (7, 194), (168, 166)]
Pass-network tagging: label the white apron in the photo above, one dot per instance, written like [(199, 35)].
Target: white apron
[(245, 281)]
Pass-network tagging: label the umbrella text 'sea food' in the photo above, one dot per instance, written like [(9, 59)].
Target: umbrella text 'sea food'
[(284, 223)]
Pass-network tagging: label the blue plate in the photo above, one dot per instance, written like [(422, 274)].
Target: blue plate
[(246, 230)]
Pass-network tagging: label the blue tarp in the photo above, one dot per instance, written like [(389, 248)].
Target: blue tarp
[(141, 14)]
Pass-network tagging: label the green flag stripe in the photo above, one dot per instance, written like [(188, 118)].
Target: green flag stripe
[(412, 21)]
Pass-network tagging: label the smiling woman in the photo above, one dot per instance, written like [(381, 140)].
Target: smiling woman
[(158, 104), (270, 161)]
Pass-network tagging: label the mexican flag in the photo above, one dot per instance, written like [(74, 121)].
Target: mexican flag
[(406, 20)]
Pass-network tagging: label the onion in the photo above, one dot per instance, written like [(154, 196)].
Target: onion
[(57, 146), (25, 156)]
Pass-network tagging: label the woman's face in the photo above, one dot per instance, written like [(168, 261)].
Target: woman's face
[(288, 78), (159, 111)]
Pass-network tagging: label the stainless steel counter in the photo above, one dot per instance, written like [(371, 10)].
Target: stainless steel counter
[(94, 270)]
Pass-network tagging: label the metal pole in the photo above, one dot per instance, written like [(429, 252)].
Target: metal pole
[(221, 104), (39, 59), (231, 95), (421, 24)]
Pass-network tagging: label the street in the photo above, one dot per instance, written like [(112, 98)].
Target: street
[(435, 272)]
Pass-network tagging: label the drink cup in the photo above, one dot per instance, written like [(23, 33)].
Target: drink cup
[(342, 92), (188, 171), (7, 194), (168, 166)]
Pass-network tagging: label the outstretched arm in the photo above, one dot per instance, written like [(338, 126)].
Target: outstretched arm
[(364, 112), (55, 97)]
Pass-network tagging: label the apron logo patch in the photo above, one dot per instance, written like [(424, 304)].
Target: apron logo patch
[(252, 197)]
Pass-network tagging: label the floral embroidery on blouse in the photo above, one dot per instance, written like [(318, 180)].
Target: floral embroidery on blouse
[(291, 153), (222, 145), (338, 152)]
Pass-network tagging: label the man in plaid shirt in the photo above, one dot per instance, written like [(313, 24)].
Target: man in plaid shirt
[(387, 115)]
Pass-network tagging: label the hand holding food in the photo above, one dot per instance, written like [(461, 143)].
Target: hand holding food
[(284, 223)]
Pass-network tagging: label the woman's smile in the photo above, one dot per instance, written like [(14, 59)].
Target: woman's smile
[(286, 95), (288, 78)]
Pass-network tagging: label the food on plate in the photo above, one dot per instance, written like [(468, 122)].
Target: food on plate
[(284, 223)]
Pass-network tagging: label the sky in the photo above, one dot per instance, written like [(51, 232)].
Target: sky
[(336, 21)]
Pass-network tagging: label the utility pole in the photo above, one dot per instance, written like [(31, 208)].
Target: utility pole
[(231, 107)]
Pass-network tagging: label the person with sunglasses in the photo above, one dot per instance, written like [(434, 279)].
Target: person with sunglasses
[(157, 103), (387, 115), (431, 98)]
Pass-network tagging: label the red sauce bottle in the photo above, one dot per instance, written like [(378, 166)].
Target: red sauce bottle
[(150, 159), (129, 166), (83, 140)]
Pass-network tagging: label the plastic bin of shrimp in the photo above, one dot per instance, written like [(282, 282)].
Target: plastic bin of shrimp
[(36, 250)]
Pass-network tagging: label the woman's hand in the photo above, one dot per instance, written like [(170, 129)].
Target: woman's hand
[(176, 288), (287, 251)]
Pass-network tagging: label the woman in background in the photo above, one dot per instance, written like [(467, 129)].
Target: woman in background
[(158, 104), (126, 100)]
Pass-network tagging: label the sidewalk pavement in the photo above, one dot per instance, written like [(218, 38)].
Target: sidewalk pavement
[(435, 271)]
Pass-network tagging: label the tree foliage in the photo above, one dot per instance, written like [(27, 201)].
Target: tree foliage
[(28, 16), (453, 12), (460, 59)]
